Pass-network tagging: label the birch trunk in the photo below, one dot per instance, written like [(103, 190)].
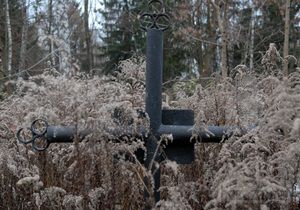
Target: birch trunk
[(286, 38), (24, 39), (252, 35), (87, 34), (222, 23), (9, 41), (63, 36), (50, 33), (1, 66)]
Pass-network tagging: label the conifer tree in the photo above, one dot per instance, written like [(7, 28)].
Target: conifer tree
[(122, 36)]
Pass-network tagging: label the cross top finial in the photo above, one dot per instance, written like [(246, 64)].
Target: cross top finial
[(155, 17)]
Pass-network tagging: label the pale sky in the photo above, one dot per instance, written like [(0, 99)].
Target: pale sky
[(95, 18)]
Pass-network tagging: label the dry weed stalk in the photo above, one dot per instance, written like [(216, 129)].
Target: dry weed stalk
[(258, 169)]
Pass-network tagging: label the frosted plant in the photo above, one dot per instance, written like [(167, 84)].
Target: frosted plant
[(53, 179), (272, 61), (257, 170), (262, 167), (73, 202), (175, 200), (35, 181)]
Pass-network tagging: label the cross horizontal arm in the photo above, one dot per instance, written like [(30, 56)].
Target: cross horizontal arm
[(64, 134), (181, 133)]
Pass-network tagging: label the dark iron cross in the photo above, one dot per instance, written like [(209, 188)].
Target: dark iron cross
[(177, 122)]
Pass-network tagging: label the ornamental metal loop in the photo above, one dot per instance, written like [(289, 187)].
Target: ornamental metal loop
[(155, 17), (35, 134)]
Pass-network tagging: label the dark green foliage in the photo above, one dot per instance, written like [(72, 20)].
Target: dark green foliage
[(271, 26), (122, 36)]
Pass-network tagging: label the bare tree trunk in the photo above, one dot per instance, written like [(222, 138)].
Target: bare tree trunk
[(222, 23), (196, 17), (286, 38), (9, 39), (51, 44), (24, 38), (87, 34), (252, 35), (209, 58), (62, 39), (1, 63)]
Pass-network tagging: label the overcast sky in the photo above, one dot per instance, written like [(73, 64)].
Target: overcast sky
[(95, 17)]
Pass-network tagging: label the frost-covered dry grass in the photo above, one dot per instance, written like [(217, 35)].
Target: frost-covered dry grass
[(258, 170)]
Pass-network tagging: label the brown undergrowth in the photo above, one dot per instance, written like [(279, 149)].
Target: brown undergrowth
[(260, 169)]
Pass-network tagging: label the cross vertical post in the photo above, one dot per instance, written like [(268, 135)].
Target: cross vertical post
[(154, 74)]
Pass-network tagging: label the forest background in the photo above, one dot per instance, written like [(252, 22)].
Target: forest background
[(205, 36)]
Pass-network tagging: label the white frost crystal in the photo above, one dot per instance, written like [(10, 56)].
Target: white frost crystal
[(31, 181), (173, 166), (73, 202), (296, 126)]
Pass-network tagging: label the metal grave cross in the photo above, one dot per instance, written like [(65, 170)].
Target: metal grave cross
[(177, 122)]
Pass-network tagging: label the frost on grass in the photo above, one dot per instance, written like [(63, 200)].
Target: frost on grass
[(27, 181), (64, 175), (260, 169)]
